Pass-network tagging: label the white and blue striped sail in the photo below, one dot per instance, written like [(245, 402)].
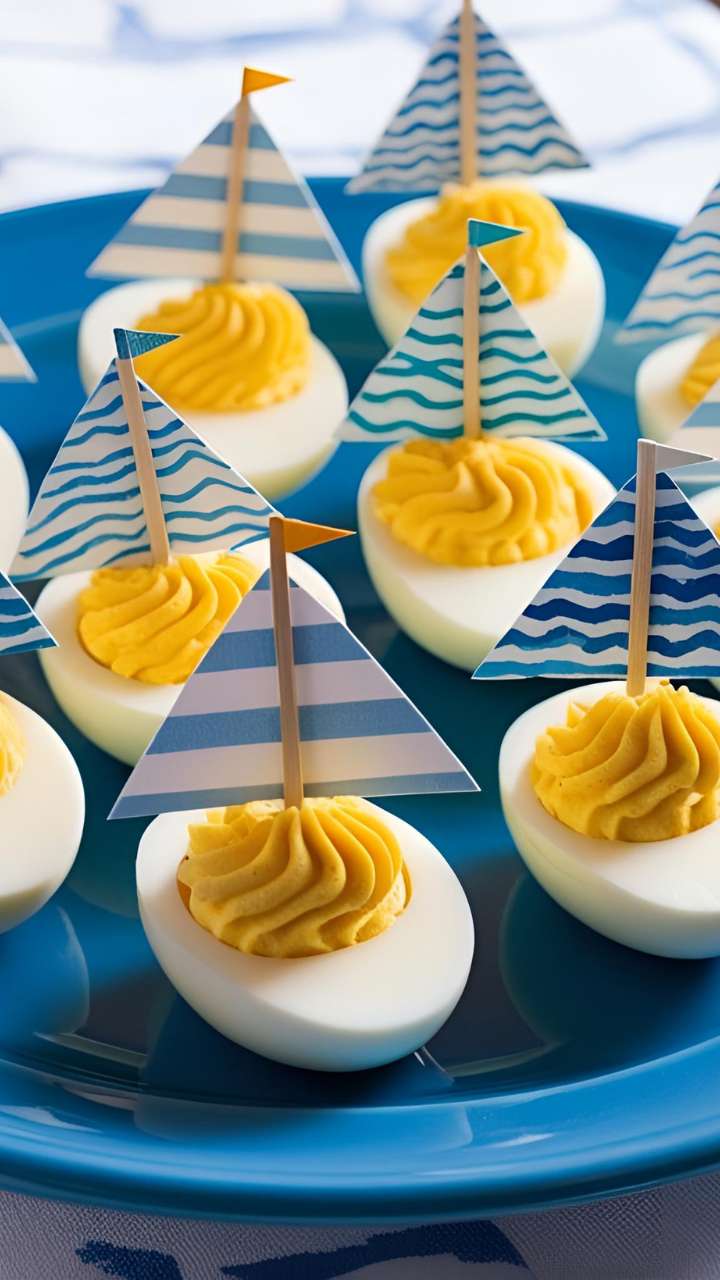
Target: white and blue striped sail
[(13, 365), (178, 231), (417, 388), (578, 623), (89, 513), (701, 431), (20, 628), (221, 743), (517, 131), (682, 294)]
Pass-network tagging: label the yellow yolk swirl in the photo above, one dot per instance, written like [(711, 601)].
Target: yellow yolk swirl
[(12, 749), (530, 265), (703, 372), (481, 502), (295, 882), (242, 346), (645, 768), (155, 624)]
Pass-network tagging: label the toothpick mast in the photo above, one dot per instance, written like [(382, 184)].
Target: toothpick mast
[(282, 631), (144, 462), (641, 568), (471, 343), (468, 96), (235, 183)]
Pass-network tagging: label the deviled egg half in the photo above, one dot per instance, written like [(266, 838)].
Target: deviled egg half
[(42, 811), (459, 535), (333, 937), (128, 639), (14, 497), (614, 804), (672, 380), (246, 373), (552, 276)]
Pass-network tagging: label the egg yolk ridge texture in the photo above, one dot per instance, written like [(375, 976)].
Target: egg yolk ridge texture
[(644, 768), (241, 346), (12, 749), (295, 882), (703, 372), (155, 623), (481, 502), (530, 265)]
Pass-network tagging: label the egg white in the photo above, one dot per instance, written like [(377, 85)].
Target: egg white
[(277, 448), (122, 715), (14, 495), (456, 613), (659, 896), (41, 820), (661, 410), (567, 321), (346, 1011)]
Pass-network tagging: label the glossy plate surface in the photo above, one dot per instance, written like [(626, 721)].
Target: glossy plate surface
[(571, 1068)]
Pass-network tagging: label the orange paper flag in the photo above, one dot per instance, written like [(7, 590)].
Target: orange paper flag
[(299, 534), (254, 80)]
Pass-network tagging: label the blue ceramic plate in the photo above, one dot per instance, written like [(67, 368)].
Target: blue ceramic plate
[(571, 1068)]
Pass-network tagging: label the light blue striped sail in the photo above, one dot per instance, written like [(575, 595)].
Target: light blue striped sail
[(221, 743), (682, 294), (416, 389), (516, 130), (89, 512), (701, 432), (577, 624), (13, 365), (178, 231), (20, 628)]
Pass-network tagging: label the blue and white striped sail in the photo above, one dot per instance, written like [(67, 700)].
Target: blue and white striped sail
[(13, 365), (221, 743), (682, 294), (517, 131), (417, 388), (701, 431), (578, 623), (178, 231), (89, 513), (20, 628)]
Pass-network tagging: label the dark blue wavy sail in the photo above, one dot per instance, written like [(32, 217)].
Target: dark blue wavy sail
[(20, 628), (578, 623)]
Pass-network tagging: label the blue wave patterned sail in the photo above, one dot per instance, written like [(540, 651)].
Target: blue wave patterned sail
[(20, 628), (417, 388), (89, 513), (178, 230), (221, 743), (577, 624), (516, 129), (13, 365), (682, 294)]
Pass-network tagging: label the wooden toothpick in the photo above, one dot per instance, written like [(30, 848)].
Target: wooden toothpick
[(641, 569), (144, 462), (283, 633), (471, 345), (235, 182), (468, 96)]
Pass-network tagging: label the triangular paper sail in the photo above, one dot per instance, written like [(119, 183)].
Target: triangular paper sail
[(89, 513), (221, 744), (13, 365), (516, 129), (682, 294), (577, 624), (178, 230), (20, 628), (417, 388)]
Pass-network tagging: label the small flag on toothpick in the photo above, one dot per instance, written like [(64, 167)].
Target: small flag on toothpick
[(254, 80)]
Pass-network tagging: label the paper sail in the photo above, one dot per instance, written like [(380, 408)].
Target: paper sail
[(417, 388), (13, 365), (577, 624), (681, 295), (221, 744), (516, 129), (283, 234), (20, 628), (89, 514)]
